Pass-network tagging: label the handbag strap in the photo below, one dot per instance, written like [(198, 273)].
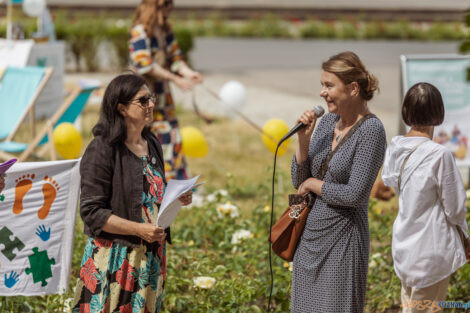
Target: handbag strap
[(324, 167), (404, 162)]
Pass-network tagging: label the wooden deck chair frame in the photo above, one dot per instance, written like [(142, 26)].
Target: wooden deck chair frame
[(47, 130), (30, 109)]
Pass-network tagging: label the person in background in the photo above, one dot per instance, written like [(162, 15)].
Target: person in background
[(155, 54), (330, 263), (123, 268), (430, 230)]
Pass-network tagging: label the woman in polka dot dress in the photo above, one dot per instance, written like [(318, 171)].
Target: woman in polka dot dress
[(330, 263)]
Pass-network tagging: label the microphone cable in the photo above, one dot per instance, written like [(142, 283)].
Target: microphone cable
[(271, 226)]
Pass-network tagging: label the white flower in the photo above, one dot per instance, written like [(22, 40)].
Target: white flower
[(198, 201), (217, 195), (376, 255), (222, 192), (204, 282), (372, 264), (227, 209), (240, 235), (68, 305), (468, 194), (289, 266), (211, 197)]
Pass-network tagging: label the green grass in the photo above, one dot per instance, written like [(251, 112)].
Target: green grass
[(239, 163)]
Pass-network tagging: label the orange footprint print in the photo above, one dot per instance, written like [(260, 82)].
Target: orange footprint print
[(23, 185), (49, 191)]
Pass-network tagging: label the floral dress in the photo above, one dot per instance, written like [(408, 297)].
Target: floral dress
[(161, 50), (115, 278)]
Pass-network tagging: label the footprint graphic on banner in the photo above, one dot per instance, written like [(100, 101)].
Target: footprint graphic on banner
[(23, 185), (49, 190)]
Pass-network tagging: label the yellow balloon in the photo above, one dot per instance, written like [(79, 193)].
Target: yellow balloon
[(276, 129), (194, 143), (67, 141)]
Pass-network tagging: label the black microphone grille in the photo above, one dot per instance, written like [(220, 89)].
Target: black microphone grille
[(318, 110)]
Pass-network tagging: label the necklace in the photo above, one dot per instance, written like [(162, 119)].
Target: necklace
[(338, 137)]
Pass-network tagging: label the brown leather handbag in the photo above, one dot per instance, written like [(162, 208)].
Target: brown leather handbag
[(285, 234)]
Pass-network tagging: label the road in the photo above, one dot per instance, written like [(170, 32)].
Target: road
[(282, 76)]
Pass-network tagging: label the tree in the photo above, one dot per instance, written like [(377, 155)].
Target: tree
[(465, 45)]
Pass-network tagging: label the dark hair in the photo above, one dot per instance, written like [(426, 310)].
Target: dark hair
[(349, 68), (111, 125), (423, 106)]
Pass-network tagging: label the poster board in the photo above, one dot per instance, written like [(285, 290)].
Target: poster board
[(448, 73)]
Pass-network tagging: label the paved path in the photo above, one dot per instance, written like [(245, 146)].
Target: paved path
[(282, 76)]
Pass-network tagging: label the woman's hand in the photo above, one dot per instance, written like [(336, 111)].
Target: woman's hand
[(307, 118), (150, 232), (2, 183), (186, 198), (310, 185), (183, 83), (304, 134), (193, 76)]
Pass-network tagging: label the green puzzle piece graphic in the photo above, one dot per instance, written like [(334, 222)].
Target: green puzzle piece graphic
[(40, 266), (10, 245)]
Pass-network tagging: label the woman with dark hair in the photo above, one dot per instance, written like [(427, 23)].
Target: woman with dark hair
[(426, 247), (330, 263), (122, 185), (154, 53)]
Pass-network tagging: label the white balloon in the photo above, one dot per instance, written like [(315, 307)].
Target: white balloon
[(34, 8), (233, 95)]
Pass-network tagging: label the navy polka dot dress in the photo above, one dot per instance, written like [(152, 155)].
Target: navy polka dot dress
[(330, 263)]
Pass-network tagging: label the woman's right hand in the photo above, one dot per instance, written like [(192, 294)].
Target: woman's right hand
[(307, 118), (183, 83), (2, 183), (150, 233)]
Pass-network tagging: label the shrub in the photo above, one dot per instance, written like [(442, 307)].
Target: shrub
[(317, 29)]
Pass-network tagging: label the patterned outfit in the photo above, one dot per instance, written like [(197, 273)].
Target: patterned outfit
[(161, 50), (331, 260), (119, 278)]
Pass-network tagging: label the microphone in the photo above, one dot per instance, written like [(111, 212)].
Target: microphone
[(318, 110)]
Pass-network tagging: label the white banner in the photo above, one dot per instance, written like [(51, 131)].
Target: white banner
[(37, 225)]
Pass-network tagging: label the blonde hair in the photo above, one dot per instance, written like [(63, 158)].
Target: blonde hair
[(150, 13), (349, 68)]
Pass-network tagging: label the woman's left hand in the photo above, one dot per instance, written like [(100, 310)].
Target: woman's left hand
[(193, 76), (2, 183), (310, 185), (186, 198)]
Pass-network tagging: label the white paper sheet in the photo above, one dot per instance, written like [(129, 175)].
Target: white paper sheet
[(170, 205)]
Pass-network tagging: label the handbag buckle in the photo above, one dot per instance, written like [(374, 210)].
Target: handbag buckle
[(295, 211)]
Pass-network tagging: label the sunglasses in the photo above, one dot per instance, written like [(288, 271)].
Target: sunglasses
[(144, 101), (168, 3)]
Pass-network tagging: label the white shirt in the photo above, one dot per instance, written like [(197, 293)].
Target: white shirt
[(426, 246)]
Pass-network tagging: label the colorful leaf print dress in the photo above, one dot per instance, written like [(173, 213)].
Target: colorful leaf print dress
[(161, 50), (115, 278)]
